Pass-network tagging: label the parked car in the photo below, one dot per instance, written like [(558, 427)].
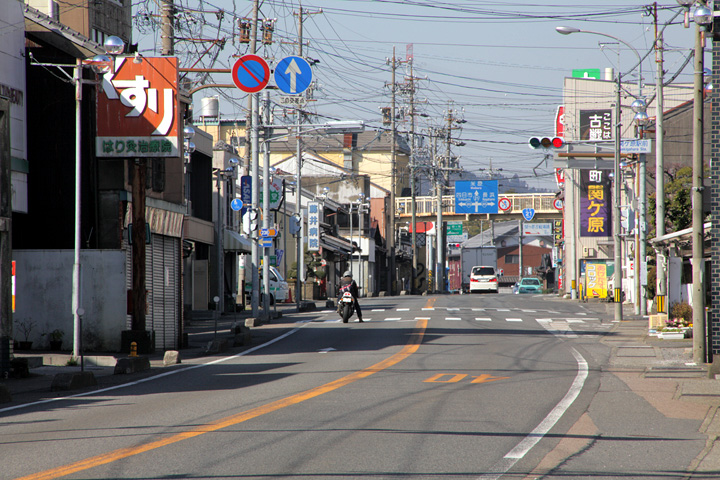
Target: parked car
[(528, 285), (483, 279)]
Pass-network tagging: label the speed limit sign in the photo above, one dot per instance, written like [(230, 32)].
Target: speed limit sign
[(504, 204), (558, 204)]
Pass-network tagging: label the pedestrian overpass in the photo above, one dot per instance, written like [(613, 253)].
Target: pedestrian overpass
[(544, 204)]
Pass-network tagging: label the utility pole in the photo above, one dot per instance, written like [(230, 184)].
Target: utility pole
[(300, 251), (413, 187), (698, 237), (661, 260), (253, 160), (6, 323), (266, 204), (167, 29), (391, 274)]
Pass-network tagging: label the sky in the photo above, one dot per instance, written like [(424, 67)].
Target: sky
[(498, 65)]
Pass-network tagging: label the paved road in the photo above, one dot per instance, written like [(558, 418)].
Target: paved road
[(452, 387)]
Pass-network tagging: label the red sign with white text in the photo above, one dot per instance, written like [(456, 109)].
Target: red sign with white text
[(138, 109)]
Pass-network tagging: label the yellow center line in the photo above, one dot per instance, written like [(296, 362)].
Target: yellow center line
[(109, 457)]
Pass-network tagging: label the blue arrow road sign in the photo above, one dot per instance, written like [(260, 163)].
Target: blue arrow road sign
[(236, 204), (293, 75), (265, 242), (476, 196)]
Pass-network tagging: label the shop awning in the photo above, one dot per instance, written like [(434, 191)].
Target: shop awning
[(234, 242), (336, 244)]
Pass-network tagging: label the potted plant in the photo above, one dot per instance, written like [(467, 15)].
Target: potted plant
[(26, 327), (55, 338)]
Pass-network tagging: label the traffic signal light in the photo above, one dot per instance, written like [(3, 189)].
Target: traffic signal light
[(294, 224), (546, 142)]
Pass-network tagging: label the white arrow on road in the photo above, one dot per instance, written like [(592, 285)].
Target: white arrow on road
[(294, 71), (326, 350)]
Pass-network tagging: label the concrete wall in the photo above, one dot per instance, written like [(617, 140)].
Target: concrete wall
[(43, 295)]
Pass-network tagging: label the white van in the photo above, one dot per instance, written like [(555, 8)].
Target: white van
[(483, 279), (278, 286)]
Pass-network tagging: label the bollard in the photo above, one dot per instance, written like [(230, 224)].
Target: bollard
[(133, 349)]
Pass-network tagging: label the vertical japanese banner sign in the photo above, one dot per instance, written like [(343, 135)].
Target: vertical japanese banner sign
[(595, 212), (313, 226), (596, 125), (138, 109)]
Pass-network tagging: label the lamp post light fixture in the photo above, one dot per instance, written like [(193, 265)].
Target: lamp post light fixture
[(703, 16), (100, 64)]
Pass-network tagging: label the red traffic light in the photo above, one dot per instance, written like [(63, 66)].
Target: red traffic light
[(546, 142)]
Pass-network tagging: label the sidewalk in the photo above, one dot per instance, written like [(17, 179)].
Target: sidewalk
[(201, 331)]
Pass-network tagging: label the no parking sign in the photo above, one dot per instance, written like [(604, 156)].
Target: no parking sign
[(250, 73)]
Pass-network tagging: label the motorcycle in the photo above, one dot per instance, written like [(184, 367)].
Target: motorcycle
[(346, 306)]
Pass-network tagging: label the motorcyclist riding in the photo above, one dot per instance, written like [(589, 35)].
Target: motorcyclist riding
[(348, 284)]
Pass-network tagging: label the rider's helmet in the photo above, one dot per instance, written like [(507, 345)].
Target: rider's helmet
[(347, 274)]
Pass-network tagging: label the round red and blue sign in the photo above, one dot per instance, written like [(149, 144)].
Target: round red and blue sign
[(504, 204), (250, 73)]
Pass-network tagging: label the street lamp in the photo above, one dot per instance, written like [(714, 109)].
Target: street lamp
[(617, 245), (101, 64)]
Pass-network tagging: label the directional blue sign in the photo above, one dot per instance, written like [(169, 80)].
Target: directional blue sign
[(293, 75), (236, 204), (265, 242), (476, 196)]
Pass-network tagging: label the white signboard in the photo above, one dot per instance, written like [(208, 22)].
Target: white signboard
[(540, 229), (313, 226), (635, 146), (457, 238)]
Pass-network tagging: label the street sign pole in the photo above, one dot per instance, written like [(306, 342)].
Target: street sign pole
[(266, 206)]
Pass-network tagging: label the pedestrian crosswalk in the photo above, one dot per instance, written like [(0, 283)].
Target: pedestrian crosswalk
[(560, 324)]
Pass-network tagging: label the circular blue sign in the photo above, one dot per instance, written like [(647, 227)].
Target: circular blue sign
[(236, 204), (293, 75)]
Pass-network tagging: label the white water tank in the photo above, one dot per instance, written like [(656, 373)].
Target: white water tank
[(209, 107)]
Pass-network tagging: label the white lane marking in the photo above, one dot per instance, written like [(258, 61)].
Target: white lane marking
[(302, 324), (422, 318), (392, 319), (529, 311), (478, 309), (453, 318), (403, 309), (513, 319), (452, 309), (526, 444), (483, 319), (428, 308), (574, 320), (503, 309), (377, 310)]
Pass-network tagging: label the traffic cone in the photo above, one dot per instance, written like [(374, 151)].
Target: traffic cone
[(289, 296)]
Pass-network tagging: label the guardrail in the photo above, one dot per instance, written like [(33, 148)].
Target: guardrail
[(424, 206)]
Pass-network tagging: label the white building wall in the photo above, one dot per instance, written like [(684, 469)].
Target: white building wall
[(43, 295)]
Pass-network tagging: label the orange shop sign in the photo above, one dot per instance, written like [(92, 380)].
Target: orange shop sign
[(138, 109)]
